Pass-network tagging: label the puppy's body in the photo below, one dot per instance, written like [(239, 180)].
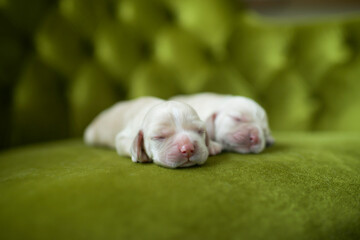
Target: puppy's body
[(150, 129), (238, 123), (123, 115), (205, 104)]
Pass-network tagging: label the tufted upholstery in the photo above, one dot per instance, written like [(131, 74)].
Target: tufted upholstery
[(64, 61)]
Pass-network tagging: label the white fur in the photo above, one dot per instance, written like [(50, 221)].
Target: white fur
[(232, 120), (150, 129)]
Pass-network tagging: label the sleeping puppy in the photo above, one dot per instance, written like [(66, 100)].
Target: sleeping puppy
[(238, 123), (149, 129)]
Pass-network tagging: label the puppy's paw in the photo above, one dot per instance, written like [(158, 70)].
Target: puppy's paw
[(214, 148), (90, 136)]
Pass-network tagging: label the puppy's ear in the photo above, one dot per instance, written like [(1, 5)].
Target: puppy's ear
[(137, 149), (207, 139), (210, 126), (269, 139)]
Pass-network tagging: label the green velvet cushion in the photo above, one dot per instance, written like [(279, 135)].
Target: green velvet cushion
[(305, 187)]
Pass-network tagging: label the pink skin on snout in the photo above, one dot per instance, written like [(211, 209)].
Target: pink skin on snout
[(181, 152), (247, 137), (185, 146)]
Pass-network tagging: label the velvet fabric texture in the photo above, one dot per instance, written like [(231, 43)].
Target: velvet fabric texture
[(305, 187)]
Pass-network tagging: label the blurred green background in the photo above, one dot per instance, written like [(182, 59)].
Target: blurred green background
[(63, 61)]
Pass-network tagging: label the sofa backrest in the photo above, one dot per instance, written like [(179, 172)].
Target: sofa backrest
[(62, 62)]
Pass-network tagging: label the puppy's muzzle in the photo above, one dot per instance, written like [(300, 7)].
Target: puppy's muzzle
[(249, 138), (186, 147)]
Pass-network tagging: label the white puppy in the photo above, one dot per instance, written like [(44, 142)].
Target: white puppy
[(238, 123), (149, 129)]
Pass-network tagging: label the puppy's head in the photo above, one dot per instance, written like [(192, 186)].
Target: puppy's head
[(240, 126), (172, 135)]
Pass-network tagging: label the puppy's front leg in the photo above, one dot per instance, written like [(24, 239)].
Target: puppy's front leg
[(214, 148), (123, 143)]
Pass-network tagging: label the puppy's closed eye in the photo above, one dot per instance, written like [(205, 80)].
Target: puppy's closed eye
[(200, 131), (236, 118), (162, 134), (158, 138)]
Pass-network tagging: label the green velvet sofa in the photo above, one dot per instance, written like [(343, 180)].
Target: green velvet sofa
[(63, 61)]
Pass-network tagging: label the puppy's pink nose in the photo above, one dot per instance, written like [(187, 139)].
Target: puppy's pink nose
[(187, 150), (186, 147), (254, 139)]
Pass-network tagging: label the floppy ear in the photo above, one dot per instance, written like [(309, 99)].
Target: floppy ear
[(210, 126), (207, 139), (137, 149), (269, 139)]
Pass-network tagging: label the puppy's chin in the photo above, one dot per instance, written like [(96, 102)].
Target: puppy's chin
[(176, 160), (187, 164), (179, 162), (233, 146), (169, 156), (247, 150)]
